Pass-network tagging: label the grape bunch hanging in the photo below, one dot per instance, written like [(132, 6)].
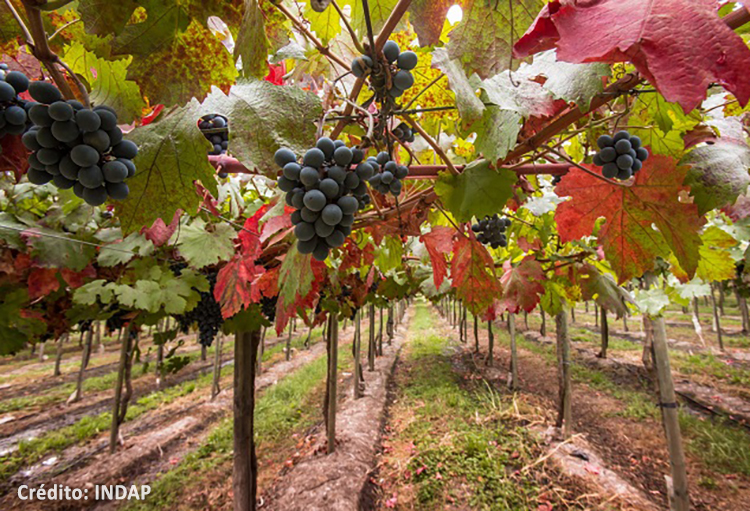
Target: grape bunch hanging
[(620, 156), (76, 147), (387, 174), (491, 231), (215, 127), (207, 315), (13, 109), (394, 80), (326, 189), (403, 133)]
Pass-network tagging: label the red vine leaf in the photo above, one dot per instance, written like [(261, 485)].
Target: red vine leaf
[(680, 46), (473, 274), (76, 279), (13, 156), (42, 281), (277, 223), (439, 242), (522, 286), (159, 232), (630, 241)]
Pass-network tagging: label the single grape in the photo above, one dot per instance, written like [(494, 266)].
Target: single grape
[(109, 119), (642, 153), (15, 115), (292, 170), (608, 154), (322, 229), (125, 149), (361, 66), (395, 92), (44, 92), (45, 138), (304, 231), (635, 142), (114, 172), (91, 177), (63, 182), (7, 93), (329, 187), (605, 141), (336, 239), (60, 111), (326, 145), (39, 115), (396, 187), (624, 162), (309, 176), (29, 141), (38, 177), (407, 60), (296, 217), (18, 81), (623, 146), (386, 177), (67, 131), (403, 80), (321, 251), (610, 170), (129, 164), (391, 51), (343, 156), (331, 214), (383, 158), (48, 156), (96, 196), (337, 173), (68, 168), (375, 180), (338, 143), (284, 156), (78, 189), (637, 165), (357, 155), (307, 247), (309, 215), (624, 174), (88, 120), (117, 191), (314, 158), (84, 155), (348, 205), (364, 171), (315, 200), (621, 135)]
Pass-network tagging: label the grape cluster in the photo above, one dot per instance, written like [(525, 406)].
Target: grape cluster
[(13, 109), (388, 174), (116, 321), (403, 133), (268, 307), (620, 156), (207, 315), (215, 129), (491, 231), (400, 66), (326, 190), (76, 147)]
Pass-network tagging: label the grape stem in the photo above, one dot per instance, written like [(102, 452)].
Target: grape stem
[(348, 26), (324, 50), (370, 118), (438, 150)]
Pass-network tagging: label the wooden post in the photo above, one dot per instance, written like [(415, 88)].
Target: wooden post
[(491, 340), (58, 357), (678, 494), (289, 343), (543, 328), (742, 304), (466, 325), (476, 334), (596, 315), (332, 377), (41, 351), (203, 353), (717, 320), (573, 314), (697, 323), (215, 388), (380, 333), (461, 325), (115, 428), (261, 350), (99, 336), (371, 344), (720, 287), (390, 325), (245, 467), (358, 378), (564, 412), (604, 334), (625, 322), (84, 364), (513, 382), (526, 320)]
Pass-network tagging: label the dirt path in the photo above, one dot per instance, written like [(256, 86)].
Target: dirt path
[(335, 482), (633, 449)]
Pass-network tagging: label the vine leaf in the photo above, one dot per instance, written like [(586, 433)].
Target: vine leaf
[(439, 242), (252, 44), (41, 282), (53, 249), (716, 263), (326, 24), (483, 40), (718, 174), (473, 274), (478, 191), (643, 221), (636, 31), (265, 117), (122, 251), (603, 289), (428, 17), (159, 232), (300, 278), (108, 82), (171, 156), (103, 17), (469, 105), (521, 286), (380, 10), (202, 244)]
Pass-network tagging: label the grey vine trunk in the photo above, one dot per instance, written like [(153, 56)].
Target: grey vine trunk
[(245, 463)]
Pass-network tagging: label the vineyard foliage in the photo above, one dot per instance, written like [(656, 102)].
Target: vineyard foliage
[(507, 104)]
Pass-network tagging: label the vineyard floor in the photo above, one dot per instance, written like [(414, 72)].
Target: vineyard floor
[(436, 429)]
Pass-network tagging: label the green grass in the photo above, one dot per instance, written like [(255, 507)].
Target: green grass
[(708, 364), (31, 451), (459, 432), (719, 444), (298, 343), (280, 410)]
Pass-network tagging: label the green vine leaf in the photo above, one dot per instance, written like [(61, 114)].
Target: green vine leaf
[(252, 44), (204, 244), (171, 157), (718, 174), (476, 192)]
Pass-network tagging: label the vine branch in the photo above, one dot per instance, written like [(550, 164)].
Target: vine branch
[(435, 146)]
